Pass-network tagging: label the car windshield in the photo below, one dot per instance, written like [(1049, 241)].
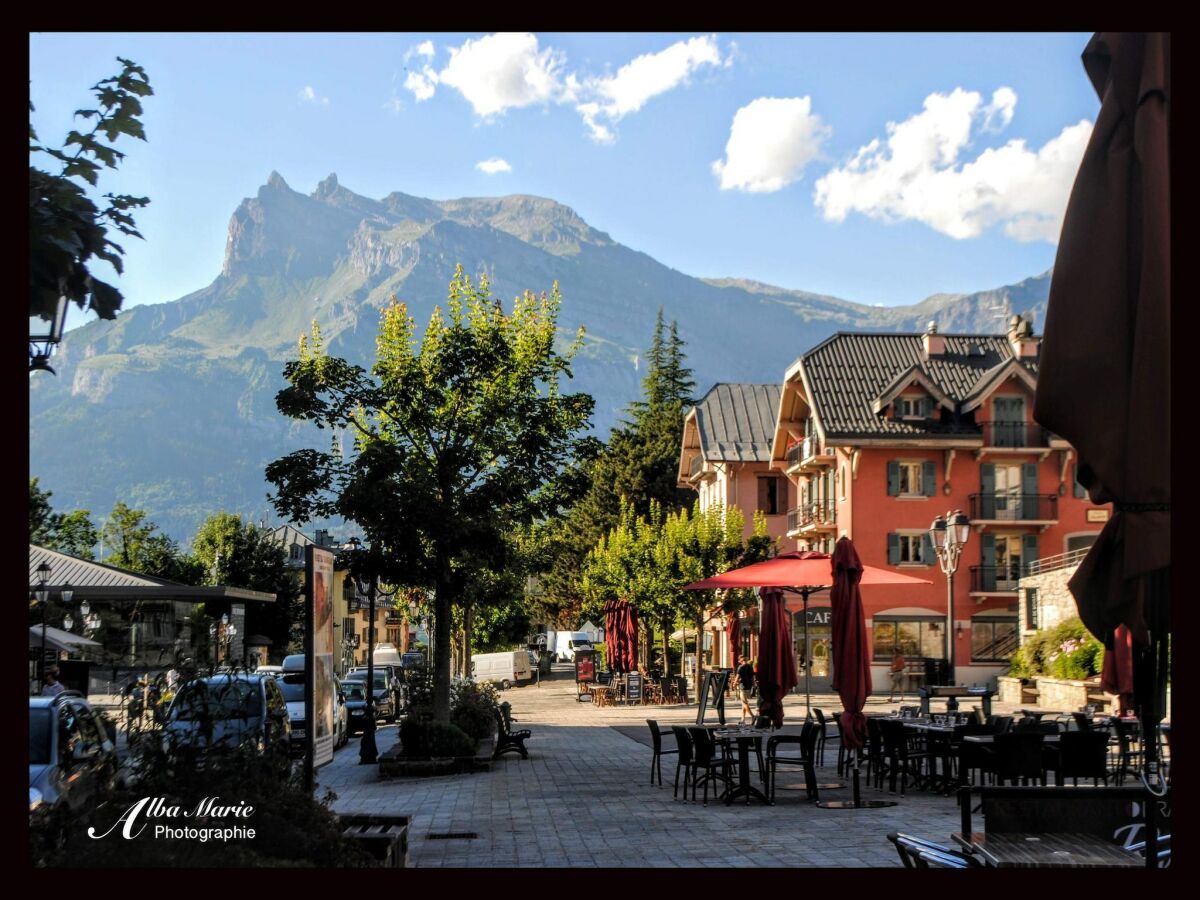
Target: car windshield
[(579, 643), (39, 736), (221, 700), (354, 690), (380, 680), (292, 687)]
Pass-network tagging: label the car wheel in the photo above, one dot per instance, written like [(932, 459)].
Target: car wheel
[(505, 684)]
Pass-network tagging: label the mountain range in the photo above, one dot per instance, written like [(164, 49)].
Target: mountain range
[(170, 407)]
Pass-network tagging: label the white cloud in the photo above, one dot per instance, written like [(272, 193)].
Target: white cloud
[(308, 95), (493, 165), (422, 84), (393, 104), (425, 48), (919, 174), (503, 71), (640, 80), (770, 142)]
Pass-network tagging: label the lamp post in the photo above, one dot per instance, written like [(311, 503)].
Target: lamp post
[(43, 595), (367, 582), (45, 333), (949, 535)]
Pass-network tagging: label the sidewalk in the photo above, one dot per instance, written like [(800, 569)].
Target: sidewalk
[(583, 799)]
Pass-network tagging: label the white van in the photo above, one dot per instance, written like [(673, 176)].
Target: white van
[(505, 669), (568, 642)]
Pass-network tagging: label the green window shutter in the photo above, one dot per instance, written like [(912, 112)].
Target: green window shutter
[(1029, 487), (893, 478), (987, 486), (987, 551), (1029, 551), (1080, 490), (929, 479), (927, 408), (928, 556), (893, 549)]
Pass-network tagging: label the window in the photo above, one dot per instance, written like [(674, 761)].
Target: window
[(842, 482), (993, 640), (1080, 541), (911, 546), (910, 478), (771, 494), (915, 637), (393, 636), (1031, 609), (912, 407)]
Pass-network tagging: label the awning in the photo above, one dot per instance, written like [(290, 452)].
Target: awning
[(57, 639)]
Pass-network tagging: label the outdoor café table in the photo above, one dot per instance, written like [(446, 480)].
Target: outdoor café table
[(1017, 850), (602, 694), (744, 740), (1038, 713)]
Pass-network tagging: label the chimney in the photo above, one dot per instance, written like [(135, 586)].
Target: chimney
[(1020, 336), (935, 344)]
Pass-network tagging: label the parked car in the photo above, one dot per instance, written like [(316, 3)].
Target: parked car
[(341, 716), (505, 669), (395, 683), (72, 758), (269, 670), (230, 710), (385, 705), (356, 706), (568, 642)]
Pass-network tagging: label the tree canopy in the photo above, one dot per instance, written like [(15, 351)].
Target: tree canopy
[(461, 437), (66, 228)]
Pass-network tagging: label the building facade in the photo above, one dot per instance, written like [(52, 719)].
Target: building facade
[(726, 459), (881, 433)]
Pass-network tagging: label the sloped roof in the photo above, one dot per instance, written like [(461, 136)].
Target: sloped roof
[(848, 372), (737, 421)]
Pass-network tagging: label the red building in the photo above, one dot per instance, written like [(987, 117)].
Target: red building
[(880, 434)]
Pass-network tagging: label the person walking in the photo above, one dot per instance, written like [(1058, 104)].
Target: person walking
[(745, 676), (897, 672)]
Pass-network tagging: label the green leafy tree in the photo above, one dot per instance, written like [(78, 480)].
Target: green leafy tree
[(66, 228), (42, 520), (76, 534), (462, 437), (639, 465), (231, 552), (136, 546)]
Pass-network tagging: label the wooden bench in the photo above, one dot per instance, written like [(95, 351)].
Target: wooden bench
[(507, 740)]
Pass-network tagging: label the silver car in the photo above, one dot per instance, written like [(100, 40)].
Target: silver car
[(72, 759)]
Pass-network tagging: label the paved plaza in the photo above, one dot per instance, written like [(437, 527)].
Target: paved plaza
[(583, 798)]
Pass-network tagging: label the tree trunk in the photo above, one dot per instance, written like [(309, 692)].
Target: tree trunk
[(441, 643), (666, 644)]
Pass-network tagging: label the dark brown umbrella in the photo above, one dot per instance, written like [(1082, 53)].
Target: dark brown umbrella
[(1116, 675), (1104, 374), (734, 630), (776, 673), (627, 623)]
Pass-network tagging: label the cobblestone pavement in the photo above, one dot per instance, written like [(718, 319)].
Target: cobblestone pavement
[(583, 799)]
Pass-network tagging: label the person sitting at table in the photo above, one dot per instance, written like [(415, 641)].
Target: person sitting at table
[(745, 676), (897, 673)]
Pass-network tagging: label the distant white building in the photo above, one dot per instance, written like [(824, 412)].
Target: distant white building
[(594, 634)]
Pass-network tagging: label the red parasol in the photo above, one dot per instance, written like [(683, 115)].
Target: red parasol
[(776, 673), (620, 633), (802, 572), (734, 630)]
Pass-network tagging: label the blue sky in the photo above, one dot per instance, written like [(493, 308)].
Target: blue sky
[(875, 167)]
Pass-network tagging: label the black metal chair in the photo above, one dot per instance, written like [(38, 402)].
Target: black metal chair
[(806, 743), (683, 743), (656, 737), (1018, 755), (822, 734), (1083, 722), (708, 756), (918, 853), (1080, 754), (1129, 748), (876, 760), (843, 755), (905, 754)]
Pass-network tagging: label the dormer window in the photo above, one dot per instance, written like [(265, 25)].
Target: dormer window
[(914, 407)]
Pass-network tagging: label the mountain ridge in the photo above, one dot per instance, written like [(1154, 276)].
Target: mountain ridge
[(174, 402)]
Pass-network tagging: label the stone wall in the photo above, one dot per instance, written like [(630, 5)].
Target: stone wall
[(1055, 603)]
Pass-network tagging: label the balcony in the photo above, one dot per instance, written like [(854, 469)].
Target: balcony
[(994, 579), (819, 516), (1030, 509), (1061, 561), (807, 455), (696, 467), (1015, 435)]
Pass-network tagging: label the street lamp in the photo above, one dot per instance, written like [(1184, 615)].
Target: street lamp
[(949, 535), (367, 583), (43, 597), (45, 333)]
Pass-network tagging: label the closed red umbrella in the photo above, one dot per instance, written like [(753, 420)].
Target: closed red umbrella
[(851, 655), (776, 663), (1116, 675), (627, 623), (612, 633)]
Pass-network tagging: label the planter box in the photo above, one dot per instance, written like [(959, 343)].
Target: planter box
[(385, 838), (393, 765), (1008, 690)]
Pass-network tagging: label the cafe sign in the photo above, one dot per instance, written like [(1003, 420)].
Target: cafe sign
[(820, 616)]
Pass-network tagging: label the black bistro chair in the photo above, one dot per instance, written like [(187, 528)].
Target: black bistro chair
[(683, 744), (822, 734), (708, 756), (656, 737), (1080, 754), (1018, 755), (805, 743)]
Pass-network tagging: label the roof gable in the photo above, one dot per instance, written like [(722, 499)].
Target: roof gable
[(737, 421)]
